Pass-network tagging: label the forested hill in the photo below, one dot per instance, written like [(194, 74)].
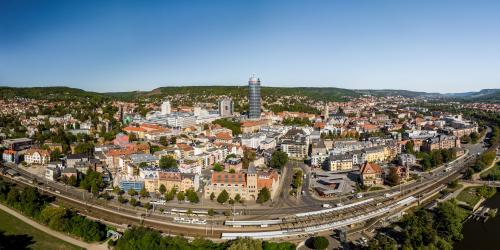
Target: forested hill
[(395, 92), (484, 95), (49, 93), (209, 93), (198, 93), (332, 94)]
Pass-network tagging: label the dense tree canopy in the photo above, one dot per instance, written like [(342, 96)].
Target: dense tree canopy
[(278, 159)]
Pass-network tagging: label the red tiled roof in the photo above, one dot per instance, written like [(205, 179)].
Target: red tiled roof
[(223, 136), (370, 168), (223, 177), (134, 129)]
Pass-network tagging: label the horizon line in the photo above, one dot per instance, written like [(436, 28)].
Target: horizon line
[(232, 85)]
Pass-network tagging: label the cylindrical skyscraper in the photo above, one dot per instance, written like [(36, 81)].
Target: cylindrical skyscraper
[(254, 98)]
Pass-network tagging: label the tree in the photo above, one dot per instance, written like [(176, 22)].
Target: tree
[(249, 155), (264, 195), (267, 245), (148, 206), (132, 192), (163, 140), (212, 196), (237, 197), (173, 140), (170, 195), (474, 137), (218, 167), (91, 178), (234, 126), (181, 196), (486, 191), (410, 147), (245, 244), (94, 190), (382, 242), (121, 199), (55, 155), (168, 162), (144, 192), (320, 242), (448, 220), (436, 158), (162, 189), (223, 197), (73, 181), (426, 163), (278, 159), (84, 148), (469, 172), (133, 202), (211, 212), (192, 196), (393, 177)]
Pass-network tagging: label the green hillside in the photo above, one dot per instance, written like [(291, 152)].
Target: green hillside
[(332, 94), (49, 93)]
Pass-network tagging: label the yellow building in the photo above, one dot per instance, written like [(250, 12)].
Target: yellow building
[(376, 154), (340, 162)]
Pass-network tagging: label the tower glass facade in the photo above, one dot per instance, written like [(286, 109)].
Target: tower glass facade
[(254, 98)]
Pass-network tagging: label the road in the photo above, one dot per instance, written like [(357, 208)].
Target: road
[(284, 207)]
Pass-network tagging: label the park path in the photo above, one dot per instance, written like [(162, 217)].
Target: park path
[(59, 235), (477, 176)]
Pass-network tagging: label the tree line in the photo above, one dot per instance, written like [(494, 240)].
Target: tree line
[(31, 203), (146, 238), (424, 229)]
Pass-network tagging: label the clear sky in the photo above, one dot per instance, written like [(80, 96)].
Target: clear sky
[(444, 46)]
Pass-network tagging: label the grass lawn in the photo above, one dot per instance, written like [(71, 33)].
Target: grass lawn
[(375, 188), (469, 196), (23, 236), (455, 188)]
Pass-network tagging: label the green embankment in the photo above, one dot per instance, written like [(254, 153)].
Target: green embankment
[(15, 234)]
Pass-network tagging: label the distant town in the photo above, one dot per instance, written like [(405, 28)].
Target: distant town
[(279, 168)]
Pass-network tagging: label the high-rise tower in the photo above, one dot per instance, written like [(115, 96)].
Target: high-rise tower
[(254, 98), (226, 107), (165, 107)]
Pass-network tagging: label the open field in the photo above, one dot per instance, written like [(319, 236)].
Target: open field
[(18, 235), (470, 196)]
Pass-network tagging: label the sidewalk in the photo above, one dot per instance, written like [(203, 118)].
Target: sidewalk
[(92, 246)]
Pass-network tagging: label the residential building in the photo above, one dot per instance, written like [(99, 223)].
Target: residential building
[(376, 154), (441, 142), (371, 174), (37, 156), (407, 160), (72, 159), (11, 156), (296, 144), (340, 162), (52, 173)]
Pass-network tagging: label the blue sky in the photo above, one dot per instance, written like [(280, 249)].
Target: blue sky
[(444, 46)]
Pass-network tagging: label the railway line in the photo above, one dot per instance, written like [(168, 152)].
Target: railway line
[(290, 222)]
